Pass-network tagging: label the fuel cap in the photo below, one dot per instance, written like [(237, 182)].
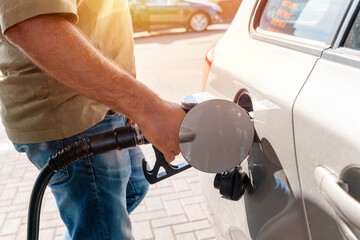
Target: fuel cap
[(219, 136)]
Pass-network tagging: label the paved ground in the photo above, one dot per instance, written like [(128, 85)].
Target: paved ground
[(171, 64), (172, 209)]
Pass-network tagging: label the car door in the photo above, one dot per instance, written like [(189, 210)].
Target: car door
[(327, 137), (164, 12), (268, 53)]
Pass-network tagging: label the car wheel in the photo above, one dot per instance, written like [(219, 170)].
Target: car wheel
[(199, 22)]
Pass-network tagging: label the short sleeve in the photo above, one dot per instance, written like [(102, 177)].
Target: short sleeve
[(16, 11)]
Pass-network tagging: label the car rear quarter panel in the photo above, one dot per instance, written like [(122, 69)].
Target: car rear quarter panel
[(273, 75)]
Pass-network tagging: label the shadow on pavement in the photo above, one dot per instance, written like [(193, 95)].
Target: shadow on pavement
[(169, 36)]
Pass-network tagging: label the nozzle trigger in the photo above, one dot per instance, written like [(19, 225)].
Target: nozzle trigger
[(154, 176)]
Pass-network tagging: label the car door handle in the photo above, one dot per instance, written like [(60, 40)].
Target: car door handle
[(336, 192)]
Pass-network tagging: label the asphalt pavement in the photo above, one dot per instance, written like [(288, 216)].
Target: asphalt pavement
[(171, 62)]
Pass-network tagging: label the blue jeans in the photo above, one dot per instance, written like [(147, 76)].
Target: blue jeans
[(95, 194)]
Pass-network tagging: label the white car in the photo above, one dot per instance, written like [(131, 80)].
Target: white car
[(294, 65)]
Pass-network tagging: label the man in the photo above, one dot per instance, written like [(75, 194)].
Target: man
[(65, 64)]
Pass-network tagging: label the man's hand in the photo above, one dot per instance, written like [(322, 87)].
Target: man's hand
[(162, 129), (58, 48)]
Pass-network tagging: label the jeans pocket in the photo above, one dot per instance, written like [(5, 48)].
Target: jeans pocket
[(39, 153)]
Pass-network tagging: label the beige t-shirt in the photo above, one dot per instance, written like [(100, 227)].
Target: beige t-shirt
[(35, 107)]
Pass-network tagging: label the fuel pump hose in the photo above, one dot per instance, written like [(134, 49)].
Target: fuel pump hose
[(120, 138)]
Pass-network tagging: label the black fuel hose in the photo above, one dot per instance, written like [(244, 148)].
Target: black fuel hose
[(36, 200), (120, 138)]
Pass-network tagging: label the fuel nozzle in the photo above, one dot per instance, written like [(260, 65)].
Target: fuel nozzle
[(232, 184)]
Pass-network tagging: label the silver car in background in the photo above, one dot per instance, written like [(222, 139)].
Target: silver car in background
[(294, 65)]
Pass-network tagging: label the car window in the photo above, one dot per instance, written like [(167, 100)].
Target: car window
[(353, 39), (311, 19)]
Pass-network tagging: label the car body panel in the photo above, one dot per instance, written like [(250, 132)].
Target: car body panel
[(232, 70), (326, 111), (273, 99), (274, 70), (167, 13)]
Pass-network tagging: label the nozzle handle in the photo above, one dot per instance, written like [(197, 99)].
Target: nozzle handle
[(154, 176), (187, 135)]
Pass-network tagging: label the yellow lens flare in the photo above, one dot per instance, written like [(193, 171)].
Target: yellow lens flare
[(104, 8)]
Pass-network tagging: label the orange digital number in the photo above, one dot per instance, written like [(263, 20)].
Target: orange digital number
[(277, 23), (284, 14), (287, 15), (280, 12), (289, 4)]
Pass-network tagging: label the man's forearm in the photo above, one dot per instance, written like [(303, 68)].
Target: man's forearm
[(57, 47)]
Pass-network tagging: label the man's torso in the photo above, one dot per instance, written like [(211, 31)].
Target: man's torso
[(34, 106)]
